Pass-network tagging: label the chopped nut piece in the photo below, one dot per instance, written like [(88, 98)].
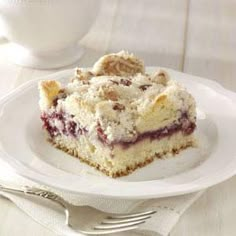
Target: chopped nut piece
[(125, 82), (82, 74), (120, 64), (48, 90), (61, 95), (110, 94), (144, 86), (119, 107), (114, 82), (160, 77)]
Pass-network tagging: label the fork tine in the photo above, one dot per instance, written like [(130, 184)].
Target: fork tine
[(116, 221), (123, 216), (121, 225), (108, 231)]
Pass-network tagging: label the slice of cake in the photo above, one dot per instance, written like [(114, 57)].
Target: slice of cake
[(116, 117)]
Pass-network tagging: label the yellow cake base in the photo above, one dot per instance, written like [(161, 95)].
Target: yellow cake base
[(121, 161)]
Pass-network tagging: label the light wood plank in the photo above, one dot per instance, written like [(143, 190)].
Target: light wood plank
[(210, 52), (152, 29), (97, 40), (211, 44)]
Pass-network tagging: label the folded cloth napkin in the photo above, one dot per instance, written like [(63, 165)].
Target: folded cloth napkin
[(47, 214)]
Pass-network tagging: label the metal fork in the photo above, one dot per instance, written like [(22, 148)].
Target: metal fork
[(100, 222)]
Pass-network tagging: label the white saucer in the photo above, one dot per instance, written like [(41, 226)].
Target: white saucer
[(47, 60)]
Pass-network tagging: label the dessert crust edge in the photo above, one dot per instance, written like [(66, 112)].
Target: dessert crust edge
[(129, 169)]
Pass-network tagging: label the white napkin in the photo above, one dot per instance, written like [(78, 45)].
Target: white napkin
[(47, 214)]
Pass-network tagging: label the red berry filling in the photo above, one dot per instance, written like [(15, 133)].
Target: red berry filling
[(57, 123), (184, 125)]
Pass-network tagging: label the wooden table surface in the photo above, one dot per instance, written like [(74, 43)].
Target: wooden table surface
[(196, 37)]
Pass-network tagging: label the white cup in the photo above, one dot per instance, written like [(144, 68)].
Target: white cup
[(45, 33)]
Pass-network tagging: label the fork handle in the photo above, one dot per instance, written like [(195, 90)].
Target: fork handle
[(26, 190), (11, 189)]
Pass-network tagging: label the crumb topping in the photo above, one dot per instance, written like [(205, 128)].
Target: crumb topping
[(120, 64), (118, 98)]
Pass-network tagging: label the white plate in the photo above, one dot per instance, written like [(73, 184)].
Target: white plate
[(25, 148)]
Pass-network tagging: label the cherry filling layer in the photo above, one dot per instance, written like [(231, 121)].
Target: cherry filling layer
[(183, 125), (57, 123)]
